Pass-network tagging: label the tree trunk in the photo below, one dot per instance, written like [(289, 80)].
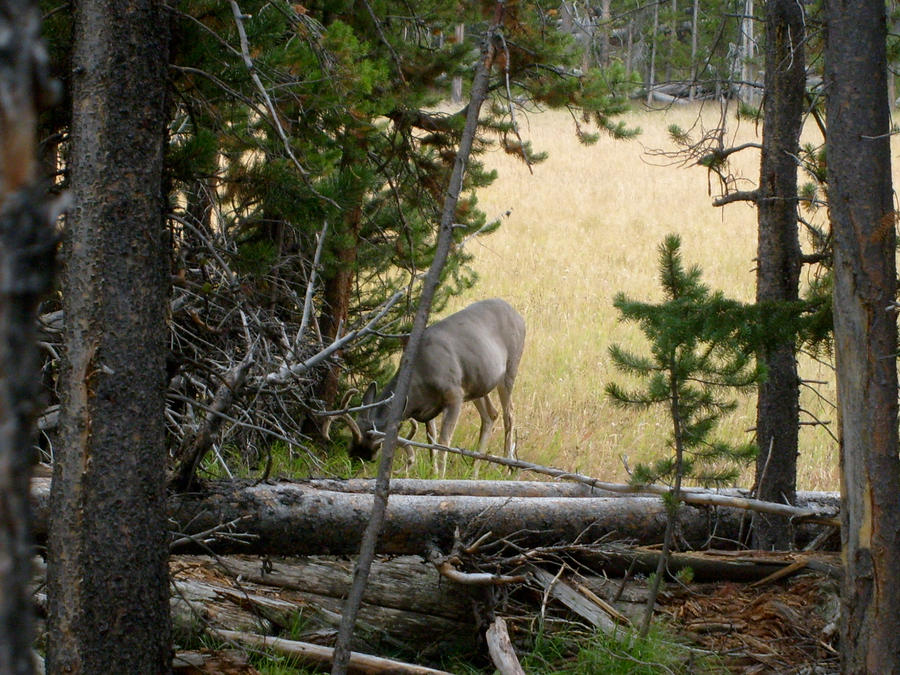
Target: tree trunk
[(863, 221), (694, 34), (108, 580), (651, 77), (456, 88), (603, 49), (27, 246), (746, 91), (338, 283), (778, 263)]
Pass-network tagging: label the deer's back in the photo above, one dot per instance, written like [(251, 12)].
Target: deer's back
[(472, 349)]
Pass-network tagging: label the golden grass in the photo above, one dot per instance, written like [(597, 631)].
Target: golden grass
[(585, 226)]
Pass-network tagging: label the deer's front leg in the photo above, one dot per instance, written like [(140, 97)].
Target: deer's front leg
[(410, 450), (448, 425)]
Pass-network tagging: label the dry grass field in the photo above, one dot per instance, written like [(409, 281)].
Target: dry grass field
[(584, 226)]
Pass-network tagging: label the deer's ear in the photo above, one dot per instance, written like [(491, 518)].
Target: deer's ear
[(369, 397)]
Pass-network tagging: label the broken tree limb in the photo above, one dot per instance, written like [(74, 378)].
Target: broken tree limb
[(189, 457), (581, 604), (317, 654), (825, 504), (697, 496), (501, 650), (446, 568)]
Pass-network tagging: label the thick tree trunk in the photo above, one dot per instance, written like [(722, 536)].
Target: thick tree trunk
[(864, 221), (27, 247), (268, 508), (108, 580), (778, 261)]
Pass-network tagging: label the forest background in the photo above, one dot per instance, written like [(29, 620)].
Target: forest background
[(302, 167)]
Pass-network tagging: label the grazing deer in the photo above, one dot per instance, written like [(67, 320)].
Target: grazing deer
[(461, 358)]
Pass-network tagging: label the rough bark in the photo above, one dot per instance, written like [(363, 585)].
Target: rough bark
[(27, 245), (778, 263), (299, 519), (290, 520), (863, 222), (407, 603), (108, 580)]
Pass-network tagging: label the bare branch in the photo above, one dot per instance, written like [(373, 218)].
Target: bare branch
[(245, 52), (739, 196)]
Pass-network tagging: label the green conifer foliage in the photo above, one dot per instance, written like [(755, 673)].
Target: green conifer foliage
[(293, 123), (700, 351)]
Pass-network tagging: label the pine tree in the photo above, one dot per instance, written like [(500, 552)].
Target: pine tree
[(701, 348)]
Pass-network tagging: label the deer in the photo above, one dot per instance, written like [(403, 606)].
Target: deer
[(463, 357)]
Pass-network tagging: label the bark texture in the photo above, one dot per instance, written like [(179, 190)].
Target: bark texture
[(863, 220), (290, 519), (108, 581), (27, 247), (778, 260)]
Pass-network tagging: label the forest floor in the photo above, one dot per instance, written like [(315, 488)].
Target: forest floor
[(784, 625)]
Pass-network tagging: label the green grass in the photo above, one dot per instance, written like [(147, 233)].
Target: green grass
[(623, 654), (586, 225)]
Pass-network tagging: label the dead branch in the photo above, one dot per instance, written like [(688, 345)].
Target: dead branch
[(444, 565), (696, 496), (500, 647), (190, 457), (317, 655)]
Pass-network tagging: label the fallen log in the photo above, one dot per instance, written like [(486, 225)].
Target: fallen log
[(826, 502), (473, 488), (739, 566), (405, 583), (407, 605), (690, 495), (288, 518)]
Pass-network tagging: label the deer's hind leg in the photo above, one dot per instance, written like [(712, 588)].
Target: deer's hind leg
[(410, 450), (509, 444)]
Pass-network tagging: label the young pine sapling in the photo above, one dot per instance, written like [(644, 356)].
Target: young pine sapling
[(701, 349)]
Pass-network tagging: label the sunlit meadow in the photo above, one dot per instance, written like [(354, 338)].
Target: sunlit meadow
[(585, 225)]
